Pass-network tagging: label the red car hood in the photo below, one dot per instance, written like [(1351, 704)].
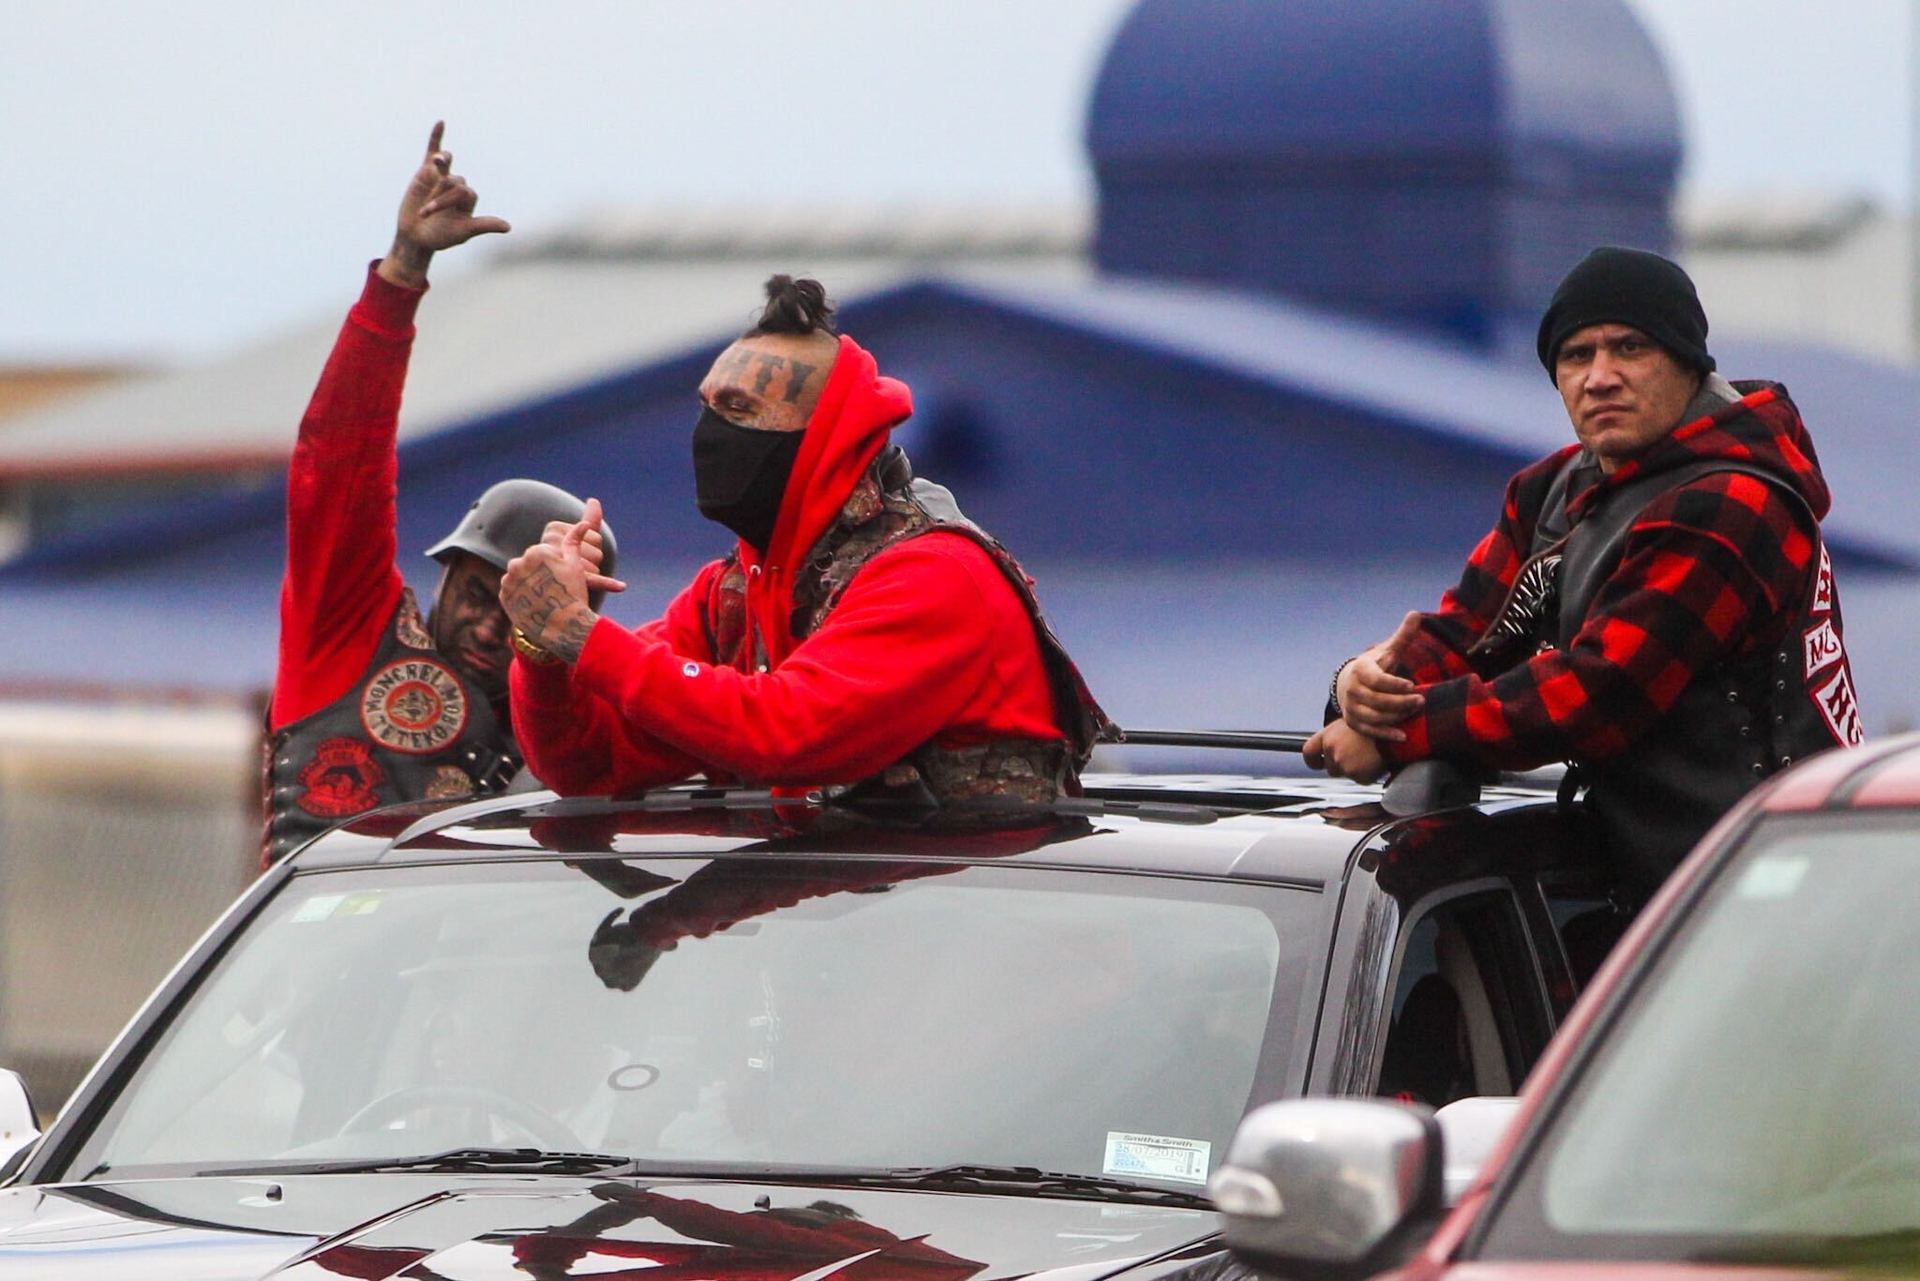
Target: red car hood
[(373, 1227)]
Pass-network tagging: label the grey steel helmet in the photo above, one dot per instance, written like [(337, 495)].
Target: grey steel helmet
[(510, 517)]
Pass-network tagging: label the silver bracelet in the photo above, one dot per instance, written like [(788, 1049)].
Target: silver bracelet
[(1333, 687)]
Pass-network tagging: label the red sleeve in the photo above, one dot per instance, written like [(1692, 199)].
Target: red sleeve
[(909, 645), (578, 743), (1707, 572), (341, 584)]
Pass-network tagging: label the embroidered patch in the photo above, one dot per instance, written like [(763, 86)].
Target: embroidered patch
[(1823, 585), (415, 706), (449, 782), (340, 779), (1534, 597), (1822, 645), (407, 627), (1840, 709)]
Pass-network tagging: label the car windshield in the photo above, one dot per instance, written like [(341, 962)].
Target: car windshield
[(1757, 1099), (791, 1011)]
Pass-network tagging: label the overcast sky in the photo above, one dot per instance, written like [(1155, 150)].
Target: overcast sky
[(185, 176)]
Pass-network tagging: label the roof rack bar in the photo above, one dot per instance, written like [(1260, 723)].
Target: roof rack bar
[(1244, 740)]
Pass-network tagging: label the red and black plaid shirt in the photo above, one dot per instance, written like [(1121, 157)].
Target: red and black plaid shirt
[(1710, 570)]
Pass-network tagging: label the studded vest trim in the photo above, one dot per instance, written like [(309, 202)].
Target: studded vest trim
[(411, 728), (886, 508)]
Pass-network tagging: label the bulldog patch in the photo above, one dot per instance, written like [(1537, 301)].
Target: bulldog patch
[(414, 705), (340, 780)]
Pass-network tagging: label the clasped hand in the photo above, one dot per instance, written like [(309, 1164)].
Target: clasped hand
[(545, 588), (1373, 701)]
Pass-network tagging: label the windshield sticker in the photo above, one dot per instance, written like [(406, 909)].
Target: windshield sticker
[(317, 908), (323, 907), (1155, 1156), (1775, 876)]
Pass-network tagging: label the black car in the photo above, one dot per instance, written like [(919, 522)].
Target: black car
[(708, 1033)]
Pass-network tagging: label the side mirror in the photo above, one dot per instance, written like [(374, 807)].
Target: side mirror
[(1328, 1189), (18, 1127)]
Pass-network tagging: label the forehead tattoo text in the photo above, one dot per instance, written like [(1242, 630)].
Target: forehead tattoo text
[(770, 367)]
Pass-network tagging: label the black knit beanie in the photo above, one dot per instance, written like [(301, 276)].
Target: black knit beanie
[(1628, 287)]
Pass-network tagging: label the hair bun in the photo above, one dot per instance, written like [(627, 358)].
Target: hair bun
[(794, 306)]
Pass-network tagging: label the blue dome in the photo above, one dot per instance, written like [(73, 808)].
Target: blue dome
[(1438, 161)]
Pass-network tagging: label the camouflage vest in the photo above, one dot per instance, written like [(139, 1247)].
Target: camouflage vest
[(888, 507), (411, 728)]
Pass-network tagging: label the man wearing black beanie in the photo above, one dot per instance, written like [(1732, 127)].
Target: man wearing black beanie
[(1655, 604)]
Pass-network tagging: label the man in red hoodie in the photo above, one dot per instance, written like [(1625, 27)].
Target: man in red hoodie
[(372, 704), (1655, 603), (861, 632)]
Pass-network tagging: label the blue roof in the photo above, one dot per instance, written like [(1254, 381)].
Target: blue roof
[(1221, 494)]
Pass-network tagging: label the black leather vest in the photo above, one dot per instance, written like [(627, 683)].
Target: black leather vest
[(411, 728), (888, 507), (1736, 723)]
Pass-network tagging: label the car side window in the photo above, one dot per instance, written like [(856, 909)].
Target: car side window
[(1469, 1015)]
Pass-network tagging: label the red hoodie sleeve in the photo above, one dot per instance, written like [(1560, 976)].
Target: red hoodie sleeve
[(578, 743), (908, 646), (1705, 569), (341, 584)]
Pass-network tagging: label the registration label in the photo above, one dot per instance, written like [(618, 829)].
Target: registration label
[(1157, 1156)]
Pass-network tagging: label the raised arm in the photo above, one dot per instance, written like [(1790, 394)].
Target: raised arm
[(341, 582)]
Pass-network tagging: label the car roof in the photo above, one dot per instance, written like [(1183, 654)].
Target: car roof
[(1877, 775), (1301, 831)]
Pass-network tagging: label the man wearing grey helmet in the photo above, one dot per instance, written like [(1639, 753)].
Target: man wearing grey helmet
[(371, 703)]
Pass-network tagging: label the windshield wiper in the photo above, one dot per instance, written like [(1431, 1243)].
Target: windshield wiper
[(1020, 1180), (451, 1161), (1025, 1180)]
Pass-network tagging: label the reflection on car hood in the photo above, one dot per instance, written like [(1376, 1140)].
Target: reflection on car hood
[(314, 1227)]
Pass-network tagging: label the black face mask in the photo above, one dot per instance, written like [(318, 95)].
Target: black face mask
[(740, 475)]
